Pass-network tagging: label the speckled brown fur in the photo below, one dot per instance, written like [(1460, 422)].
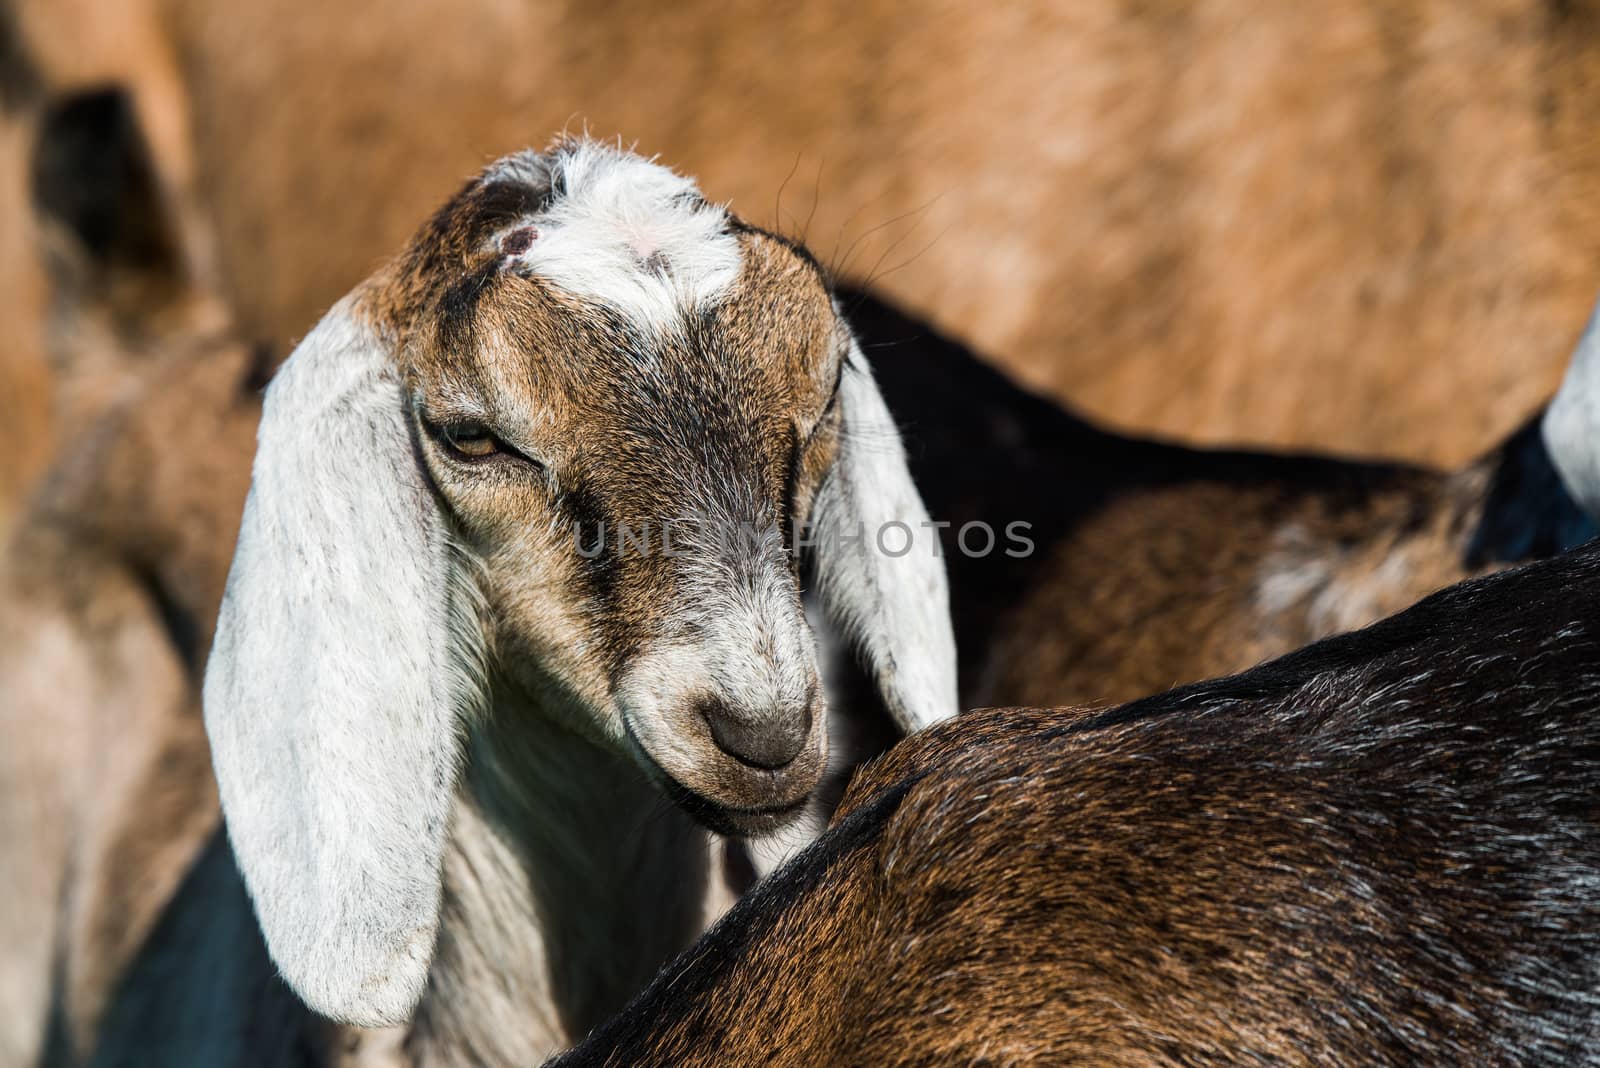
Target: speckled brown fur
[(1173, 584), (1380, 850)]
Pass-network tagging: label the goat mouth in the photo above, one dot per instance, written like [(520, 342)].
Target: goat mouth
[(718, 816), (735, 822)]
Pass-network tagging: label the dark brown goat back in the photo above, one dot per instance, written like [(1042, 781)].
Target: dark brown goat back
[(1380, 850)]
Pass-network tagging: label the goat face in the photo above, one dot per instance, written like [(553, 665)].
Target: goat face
[(632, 481), (567, 435)]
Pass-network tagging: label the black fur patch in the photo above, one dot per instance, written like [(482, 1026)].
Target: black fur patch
[(458, 306), (1529, 513), (263, 363), (181, 628)]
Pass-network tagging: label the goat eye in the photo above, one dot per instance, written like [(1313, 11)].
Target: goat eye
[(472, 442)]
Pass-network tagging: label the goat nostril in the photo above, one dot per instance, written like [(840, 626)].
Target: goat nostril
[(760, 742)]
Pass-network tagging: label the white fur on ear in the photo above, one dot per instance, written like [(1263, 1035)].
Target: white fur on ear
[(1572, 424), (337, 680), (880, 576)]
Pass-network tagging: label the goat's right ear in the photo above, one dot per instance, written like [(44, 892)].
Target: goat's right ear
[(885, 590), (339, 679)]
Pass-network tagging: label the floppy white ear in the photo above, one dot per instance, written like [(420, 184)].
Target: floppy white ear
[(1572, 424), (336, 683), (880, 575)]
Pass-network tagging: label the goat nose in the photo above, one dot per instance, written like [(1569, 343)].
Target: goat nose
[(769, 742)]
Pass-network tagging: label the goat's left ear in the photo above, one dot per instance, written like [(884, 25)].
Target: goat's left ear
[(1572, 423), (880, 576)]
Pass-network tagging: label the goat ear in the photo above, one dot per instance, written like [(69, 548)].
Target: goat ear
[(1572, 423), (880, 576), (337, 681)]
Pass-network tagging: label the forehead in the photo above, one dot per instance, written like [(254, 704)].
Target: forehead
[(586, 265)]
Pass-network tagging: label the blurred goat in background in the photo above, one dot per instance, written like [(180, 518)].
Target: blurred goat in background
[(1358, 224), (1153, 564), (109, 584)]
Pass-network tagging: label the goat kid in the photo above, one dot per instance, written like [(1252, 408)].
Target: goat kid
[(1146, 564), (1379, 850), (115, 576), (443, 735)]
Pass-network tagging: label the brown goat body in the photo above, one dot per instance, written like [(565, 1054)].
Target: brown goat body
[(1380, 850)]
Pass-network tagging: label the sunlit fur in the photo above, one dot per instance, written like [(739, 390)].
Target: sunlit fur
[(620, 212)]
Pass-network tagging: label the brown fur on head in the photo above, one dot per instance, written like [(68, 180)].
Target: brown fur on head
[(649, 427), (549, 468)]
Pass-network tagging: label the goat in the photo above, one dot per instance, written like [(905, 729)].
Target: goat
[(109, 582), (1379, 850), (1142, 564), (1131, 204), (443, 732)]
